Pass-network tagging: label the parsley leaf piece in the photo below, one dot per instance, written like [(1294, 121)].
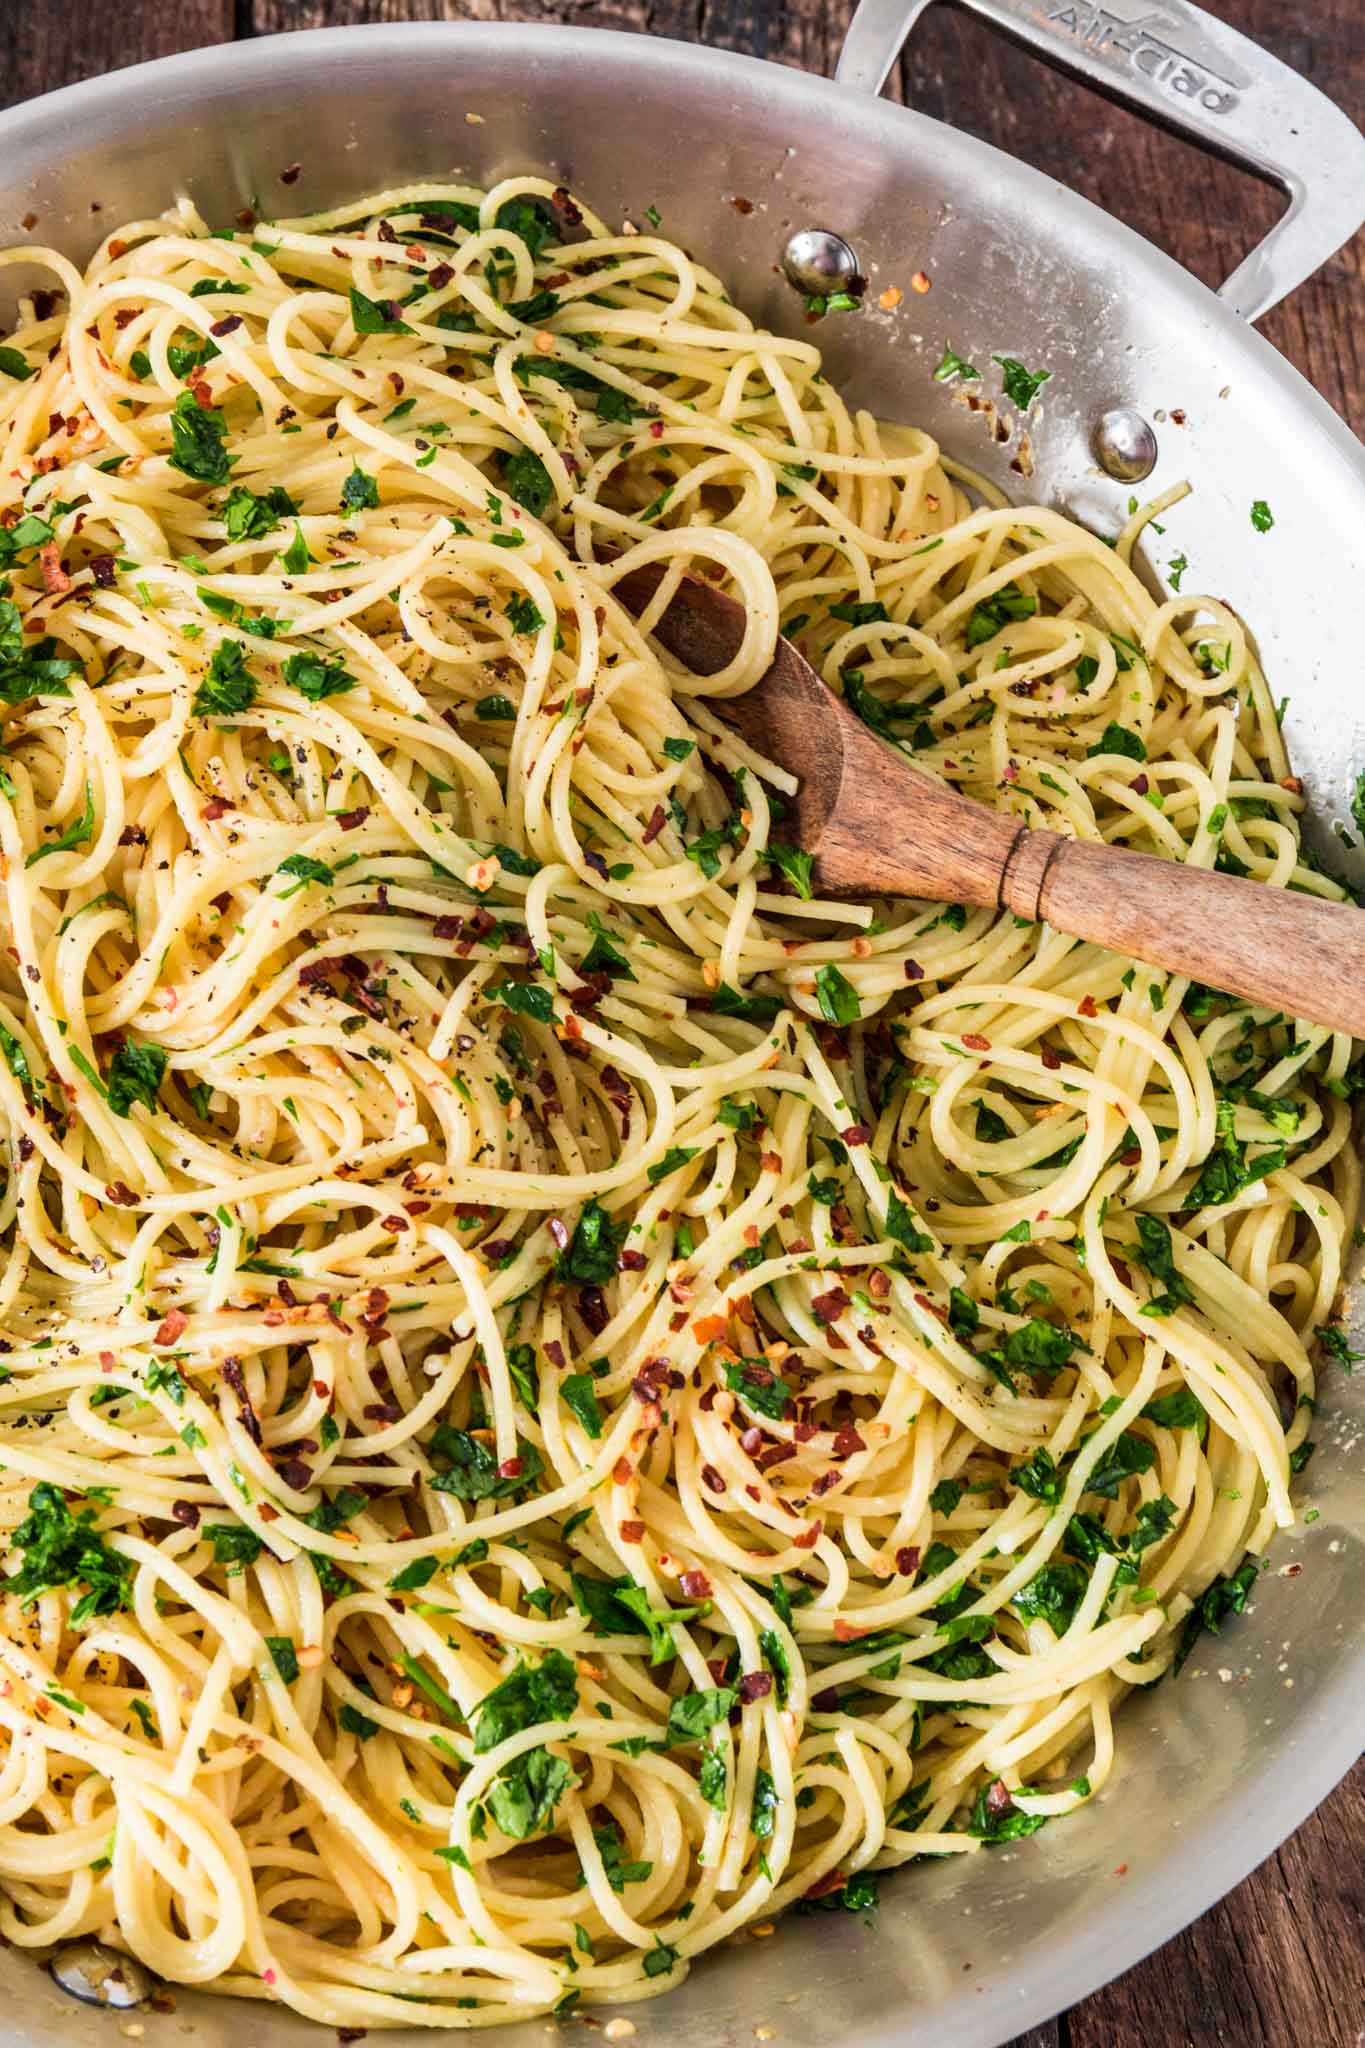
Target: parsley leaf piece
[(1226, 1596), (135, 1075), (199, 441), (525, 998), (950, 364), (228, 689), (373, 316), (1053, 1595), (791, 862), (1021, 386), (579, 1394), (1124, 1459), (591, 1254), (759, 1386), (530, 1695), (360, 492), (473, 1472), (838, 998), (78, 833), (63, 1549), (315, 678), (993, 614), (1119, 739), (284, 1657), (525, 478), (248, 516)]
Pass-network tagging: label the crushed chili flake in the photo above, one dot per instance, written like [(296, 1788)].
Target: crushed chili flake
[(975, 1041), (712, 1479), (755, 1685)]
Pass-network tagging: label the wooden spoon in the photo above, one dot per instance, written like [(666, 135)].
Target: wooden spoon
[(879, 826)]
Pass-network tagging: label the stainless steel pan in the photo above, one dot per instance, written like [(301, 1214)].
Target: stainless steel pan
[(1218, 1767)]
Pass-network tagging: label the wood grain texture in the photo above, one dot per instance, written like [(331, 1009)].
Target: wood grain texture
[(47, 43), (1281, 1962)]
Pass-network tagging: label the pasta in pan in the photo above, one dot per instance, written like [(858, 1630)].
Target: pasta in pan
[(562, 1393)]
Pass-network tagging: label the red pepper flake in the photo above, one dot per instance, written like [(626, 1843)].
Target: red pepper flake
[(510, 1468), (1130, 1156), (755, 1685), (826, 1307), (856, 1134), (216, 807), (846, 1442), (629, 1261), (1088, 1007), (809, 1537), (907, 1559), (172, 1326), (975, 1041), (554, 1351), (712, 1479), (998, 1801), (847, 1632), (1124, 1271), (657, 820), (832, 1881), (103, 570), (122, 1197), (348, 820), (289, 175), (229, 324), (622, 1472), (695, 1586), (631, 1532), (776, 1454), (558, 1232), (823, 1484), (55, 578)]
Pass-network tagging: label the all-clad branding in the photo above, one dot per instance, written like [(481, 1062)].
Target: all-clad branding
[(1147, 43)]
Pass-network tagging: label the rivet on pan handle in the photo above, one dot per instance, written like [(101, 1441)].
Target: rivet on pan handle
[(1180, 66)]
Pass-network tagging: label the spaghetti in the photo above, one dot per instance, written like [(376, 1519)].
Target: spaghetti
[(563, 1394)]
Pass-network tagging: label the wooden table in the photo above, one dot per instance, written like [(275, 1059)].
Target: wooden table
[(1280, 1963)]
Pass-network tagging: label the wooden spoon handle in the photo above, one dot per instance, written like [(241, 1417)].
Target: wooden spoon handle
[(1276, 947), (896, 831)]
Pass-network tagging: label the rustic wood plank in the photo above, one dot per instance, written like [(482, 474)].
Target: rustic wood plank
[(44, 45), (1278, 1963)]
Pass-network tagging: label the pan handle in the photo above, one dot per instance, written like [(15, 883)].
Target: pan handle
[(1181, 67)]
